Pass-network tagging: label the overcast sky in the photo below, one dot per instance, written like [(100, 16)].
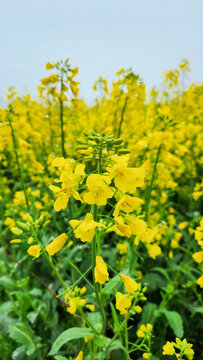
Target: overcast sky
[(100, 36)]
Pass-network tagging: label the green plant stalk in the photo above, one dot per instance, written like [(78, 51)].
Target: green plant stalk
[(78, 281), (95, 245), (126, 339), (122, 325), (82, 275), (48, 259), (15, 147), (148, 198), (61, 119), (88, 322), (122, 116)]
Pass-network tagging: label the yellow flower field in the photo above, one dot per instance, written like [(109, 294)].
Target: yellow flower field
[(101, 225)]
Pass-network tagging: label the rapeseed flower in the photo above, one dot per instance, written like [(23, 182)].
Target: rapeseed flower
[(56, 245), (100, 272)]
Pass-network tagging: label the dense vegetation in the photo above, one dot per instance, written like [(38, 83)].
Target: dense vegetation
[(101, 230)]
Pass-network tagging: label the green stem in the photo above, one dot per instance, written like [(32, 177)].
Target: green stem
[(15, 147), (82, 275), (61, 120), (49, 260), (84, 317), (151, 183), (122, 116)]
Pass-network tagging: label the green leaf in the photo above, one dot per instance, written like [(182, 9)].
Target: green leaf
[(19, 353), (115, 317), (100, 340), (148, 313), (68, 335), (60, 357), (153, 281), (6, 308), (163, 272), (174, 319), (112, 286), (96, 319), (198, 309), (20, 334), (7, 282), (116, 344)]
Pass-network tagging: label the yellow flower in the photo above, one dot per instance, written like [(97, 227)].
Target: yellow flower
[(70, 182), (122, 248), (16, 231), (198, 257), (9, 222), (183, 225), (80, 356), (88, 338), (146, 355), (144, 330), (125, 178), (34, 250), (123, 302), (138, 309), (85, 228), (56, 245), (74, 303), (100, 272), (120, 228), (141, 332), (131, 286), (90, 307), (168, 349), (49, 66), (137, 226), (98, 190), (154, 250), (127, 204), (200, 281)]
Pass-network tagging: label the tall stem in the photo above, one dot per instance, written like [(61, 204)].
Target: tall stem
[(95, 245), (49, 260), (122, 116), (61, 120), (15, 147), (151, 182)]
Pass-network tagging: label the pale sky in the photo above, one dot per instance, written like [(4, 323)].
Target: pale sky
[(100, 37)]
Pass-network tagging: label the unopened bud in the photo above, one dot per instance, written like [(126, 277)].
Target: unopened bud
[(46, 223), (118, 141), (22, 225)]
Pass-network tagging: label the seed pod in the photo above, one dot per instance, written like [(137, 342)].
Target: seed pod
[(123, 151)]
